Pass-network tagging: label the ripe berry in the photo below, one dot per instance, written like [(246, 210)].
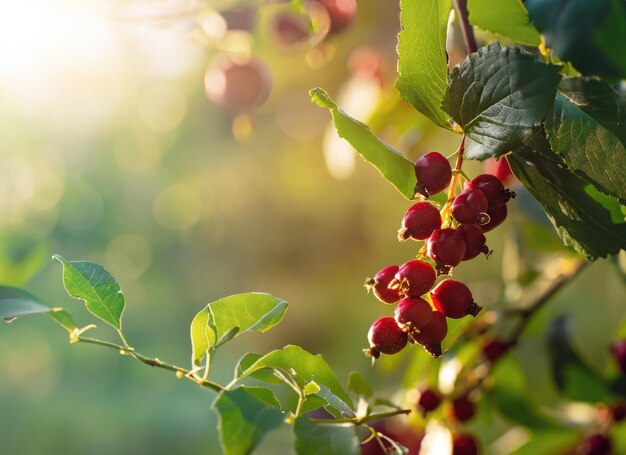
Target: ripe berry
[(463, 409), (618, 412), (496, 217), (464, 444), (288, 29), (474, 241), (500, 168), (447, 248), (619, 354), (429, 400), (340, 12), (494, 349), (419, 222), (413, 313), (431, 335), (433, 174), (237, 86), (454, 299), (493, 189), (386, 337), (596, 444), (414, 278), (470, 207), (380, 285)]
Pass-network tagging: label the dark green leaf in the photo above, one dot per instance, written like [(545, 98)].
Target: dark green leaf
[(507, 18), (358, 384), (325, 439), (581, 222), (91, 283), (589, 33), (423, 64), (306, 366), (64, 318), (587, 148), (392, 165), (573, 377), (499, 96), (245, 415), (232, 316), (16, 302)]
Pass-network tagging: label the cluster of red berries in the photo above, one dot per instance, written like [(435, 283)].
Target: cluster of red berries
[(452, 235)]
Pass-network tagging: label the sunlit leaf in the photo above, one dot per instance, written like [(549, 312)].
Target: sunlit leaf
[(63, 318), (507, 18)]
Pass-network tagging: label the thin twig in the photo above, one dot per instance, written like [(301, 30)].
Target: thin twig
[(365, 419), (466, 29)]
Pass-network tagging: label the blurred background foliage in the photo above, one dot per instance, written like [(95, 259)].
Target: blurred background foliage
[(111, 152)]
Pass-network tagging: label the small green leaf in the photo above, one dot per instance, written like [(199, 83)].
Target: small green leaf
[(507, 18), (64, 318), (232, 316), (358, 384), (245, 415), (499, 96), (16, 302), (309, 366), (311, 388), (262, 375), (314, 438), (392, 165), (423, 64), (91, 283)]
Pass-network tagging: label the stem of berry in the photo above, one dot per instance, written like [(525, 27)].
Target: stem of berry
[(466, 28), (445, 211)]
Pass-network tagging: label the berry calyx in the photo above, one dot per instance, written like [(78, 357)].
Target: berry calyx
[(496, 217), (431, 335), (470, 206), (380, 285), (494, 349), (433, 172), (385, 337), (413, 313), (447, 248), (463, 409), (475, 241), (464, 444), (493, 189), (419, 222), (454, 299), (414, 278), (619, 354), (429, 400), (596, 444)]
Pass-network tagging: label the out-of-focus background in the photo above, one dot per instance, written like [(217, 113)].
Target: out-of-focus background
[(111, 152)]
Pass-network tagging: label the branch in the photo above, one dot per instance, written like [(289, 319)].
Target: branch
[(364, 419), (466, 28)]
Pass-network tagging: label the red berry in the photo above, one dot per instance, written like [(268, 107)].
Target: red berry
[(500, 168), (494, 349), (454, 299), (431, 335), (237, 86), (413, 313), (414, 278), (386, 337), (429, 400), (492, 188), (340, 12), (433, 174), (447, 248), (619, 354), (596, 444), (464, 444), (419, 221), (288, 29), (380, 285), (474, 241), (496, 217), (468, 207), (463, 409), (618, 412)]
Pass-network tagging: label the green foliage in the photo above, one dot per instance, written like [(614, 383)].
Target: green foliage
[(63, 318), (16, 302), (91, 283), (325, 439), (423, 65), (507, 18), (359, 385), (500, 96)]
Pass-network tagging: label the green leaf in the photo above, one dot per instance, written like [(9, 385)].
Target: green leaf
[(91, 283), (325, 439), (423, 64), (507, 18), (580, 221), (64, 318), (245, 415), (392, 165), (16, 302), (549, 442), (358, 384), (307, 366), (229, 317), (591, 34), (499, 96), (262, 375)]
